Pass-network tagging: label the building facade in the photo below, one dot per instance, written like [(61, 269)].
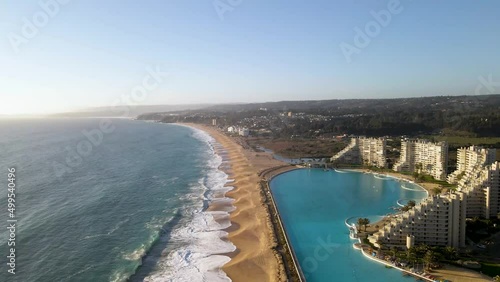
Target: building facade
[(481, 187), (423, 157), (245, 132), (366, 151), (470, 159), (437, 221)]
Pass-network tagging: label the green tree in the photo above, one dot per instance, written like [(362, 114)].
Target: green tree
[(422, 249), (429, 259), (366, 221), (361, 222), (411, 255), (415, 175), (421, 178), (411, 203), (394, 251), (450, 253), (419, 167)]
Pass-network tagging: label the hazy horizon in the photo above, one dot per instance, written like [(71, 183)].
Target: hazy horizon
[(67, 56), (95, 109)]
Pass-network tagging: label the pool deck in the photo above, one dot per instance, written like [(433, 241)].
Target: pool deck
[(364, 252)]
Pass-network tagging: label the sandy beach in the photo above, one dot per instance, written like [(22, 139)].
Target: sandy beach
[(251, 230)]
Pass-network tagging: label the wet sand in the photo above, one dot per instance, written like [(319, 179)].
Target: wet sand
[(251, 230)]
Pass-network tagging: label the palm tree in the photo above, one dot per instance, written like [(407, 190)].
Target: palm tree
[(361, 222), (411, 255), (419, 167), (411, 203), (366, 221), (415, 175), (429, 259), (422, 248), (450, 253), (394, 251)]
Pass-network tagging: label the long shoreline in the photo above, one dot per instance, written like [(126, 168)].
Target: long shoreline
[(256, 257)]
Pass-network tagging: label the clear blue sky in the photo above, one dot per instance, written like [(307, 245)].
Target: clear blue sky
[(92, 51)]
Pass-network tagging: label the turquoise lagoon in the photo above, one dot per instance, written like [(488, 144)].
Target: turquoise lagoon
[(314, 205)]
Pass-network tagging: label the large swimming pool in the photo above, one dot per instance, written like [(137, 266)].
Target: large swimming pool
[(314, 205)]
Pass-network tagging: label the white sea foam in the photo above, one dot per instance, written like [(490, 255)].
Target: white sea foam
[(201, 256), (413, 189), (381, 177)]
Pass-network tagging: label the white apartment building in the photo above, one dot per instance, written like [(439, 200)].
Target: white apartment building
[(424, 157), (244, 132), (470, 159), (437, 221), (482, 188), (373, 151), (366, 151)]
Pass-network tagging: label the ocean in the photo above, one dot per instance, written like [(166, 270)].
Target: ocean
[(315, 205), (113, 200)]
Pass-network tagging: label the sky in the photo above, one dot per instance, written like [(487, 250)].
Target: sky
[(66, 55)]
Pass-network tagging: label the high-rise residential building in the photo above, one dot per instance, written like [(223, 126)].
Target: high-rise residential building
[(436, 221), (423, 156), (482, 188), (470, 159), (366, 151), (373, 151)]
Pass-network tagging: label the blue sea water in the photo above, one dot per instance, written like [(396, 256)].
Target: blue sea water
[(314, 205), (130, 207)]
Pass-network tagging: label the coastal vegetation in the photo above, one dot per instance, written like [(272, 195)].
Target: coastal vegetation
[(408, 206), (430, 258), (421, 177), (363, 222)]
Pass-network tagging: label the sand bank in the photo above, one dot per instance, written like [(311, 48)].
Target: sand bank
[(251, 230)]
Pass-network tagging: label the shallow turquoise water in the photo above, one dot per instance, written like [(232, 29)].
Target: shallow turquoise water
[(314, 205)]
